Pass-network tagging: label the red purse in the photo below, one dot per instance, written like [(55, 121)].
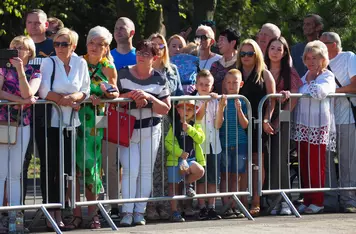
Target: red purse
[(120, 128)]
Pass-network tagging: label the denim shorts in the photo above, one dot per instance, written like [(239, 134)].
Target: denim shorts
[(174, 177), (229, 158)]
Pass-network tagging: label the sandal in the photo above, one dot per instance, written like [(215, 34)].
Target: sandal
[(73, 224), (95, 223), (255, 211)]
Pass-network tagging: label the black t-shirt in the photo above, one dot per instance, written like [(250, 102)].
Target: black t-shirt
[(43, 49)]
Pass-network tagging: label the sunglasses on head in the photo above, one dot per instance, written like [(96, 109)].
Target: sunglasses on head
[(248, 54), (61, 44), (202, 37), (143, 54)]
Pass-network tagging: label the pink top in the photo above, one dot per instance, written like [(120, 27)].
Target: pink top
[(11, 85), (295, 81)]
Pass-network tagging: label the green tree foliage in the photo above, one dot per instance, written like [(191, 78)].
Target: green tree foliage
[(172, 16)]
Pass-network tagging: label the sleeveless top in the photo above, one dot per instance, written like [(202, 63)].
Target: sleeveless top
[(254, 91)]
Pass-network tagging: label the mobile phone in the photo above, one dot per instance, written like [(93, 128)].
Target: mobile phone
[(5, 56), (109, 88)]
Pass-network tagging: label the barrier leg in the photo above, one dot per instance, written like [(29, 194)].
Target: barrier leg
[(35, 219), (242, 208), (107, 217), (290, 204), (273, 204), (50, 219)]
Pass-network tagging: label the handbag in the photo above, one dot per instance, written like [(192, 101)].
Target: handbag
[(8, 132), (120, 126), (353, 108)]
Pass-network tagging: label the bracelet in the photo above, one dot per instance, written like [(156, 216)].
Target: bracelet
[(266, 121)]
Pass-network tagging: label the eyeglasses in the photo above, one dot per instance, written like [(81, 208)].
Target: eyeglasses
[(143, 54), (63, 44), (202, 37), (248, 54), (328, 42)]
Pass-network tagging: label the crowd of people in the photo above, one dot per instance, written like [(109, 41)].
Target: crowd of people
[(205, 142)]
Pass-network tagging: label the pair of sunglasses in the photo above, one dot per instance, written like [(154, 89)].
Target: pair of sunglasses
[(159, 46), (248, 54), (61, 44), (50, 33), (202, 37)]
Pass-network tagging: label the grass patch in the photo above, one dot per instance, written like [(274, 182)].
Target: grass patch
[(34, 168)]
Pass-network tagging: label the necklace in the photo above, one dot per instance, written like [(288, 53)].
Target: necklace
[(206, 61)]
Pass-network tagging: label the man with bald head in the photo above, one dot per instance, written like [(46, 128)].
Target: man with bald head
[(312, 28), (266, 34), (125, 53)]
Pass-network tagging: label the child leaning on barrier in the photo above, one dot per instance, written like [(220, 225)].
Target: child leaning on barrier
[(210, 115), (234, 143), (185, 159)]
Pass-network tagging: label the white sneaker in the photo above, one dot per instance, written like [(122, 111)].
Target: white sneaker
[(126, 221), (285, 210), (275, 210), (139, 219), (301, 208)]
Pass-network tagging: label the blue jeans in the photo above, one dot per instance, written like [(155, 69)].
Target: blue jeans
[(234, 161)]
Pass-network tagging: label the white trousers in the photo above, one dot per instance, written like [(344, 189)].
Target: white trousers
[(11, 160), (137, 162)]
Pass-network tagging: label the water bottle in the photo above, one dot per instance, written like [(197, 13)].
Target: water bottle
[(19, 222), (12, 221), (183, 165)]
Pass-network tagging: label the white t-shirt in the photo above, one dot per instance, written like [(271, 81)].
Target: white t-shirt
[(212, 137), (206, 64), (344, 67), (77, 80)]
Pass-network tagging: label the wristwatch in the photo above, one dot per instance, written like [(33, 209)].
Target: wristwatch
[(266, 121)]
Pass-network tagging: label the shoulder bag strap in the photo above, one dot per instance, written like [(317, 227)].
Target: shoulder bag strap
[(53, 71), (339, 84)]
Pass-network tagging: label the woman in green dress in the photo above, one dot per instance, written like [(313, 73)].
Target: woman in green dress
[(89, 136)]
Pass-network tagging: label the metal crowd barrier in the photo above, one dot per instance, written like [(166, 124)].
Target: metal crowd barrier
[(289, 158), (106, 200), (35, 201)]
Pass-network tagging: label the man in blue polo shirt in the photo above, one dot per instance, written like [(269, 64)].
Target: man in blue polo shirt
[(125, 53)]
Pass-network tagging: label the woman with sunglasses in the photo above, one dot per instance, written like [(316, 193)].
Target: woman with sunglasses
[(205, 37), (151, 97), (89, 158), (277, 58), (71, 85), (258, 82), (17, 85), (160, 210)]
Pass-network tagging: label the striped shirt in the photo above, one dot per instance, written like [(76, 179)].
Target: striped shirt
[(232, 125), (155, 85)]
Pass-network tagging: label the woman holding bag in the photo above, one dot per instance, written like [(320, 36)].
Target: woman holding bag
[(17, 85), (148, 88), (89, 159), (71, 85)]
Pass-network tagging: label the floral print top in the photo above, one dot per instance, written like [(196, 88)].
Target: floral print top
[(11, 85)]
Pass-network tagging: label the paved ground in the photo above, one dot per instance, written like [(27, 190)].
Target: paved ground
[(324, 223)]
